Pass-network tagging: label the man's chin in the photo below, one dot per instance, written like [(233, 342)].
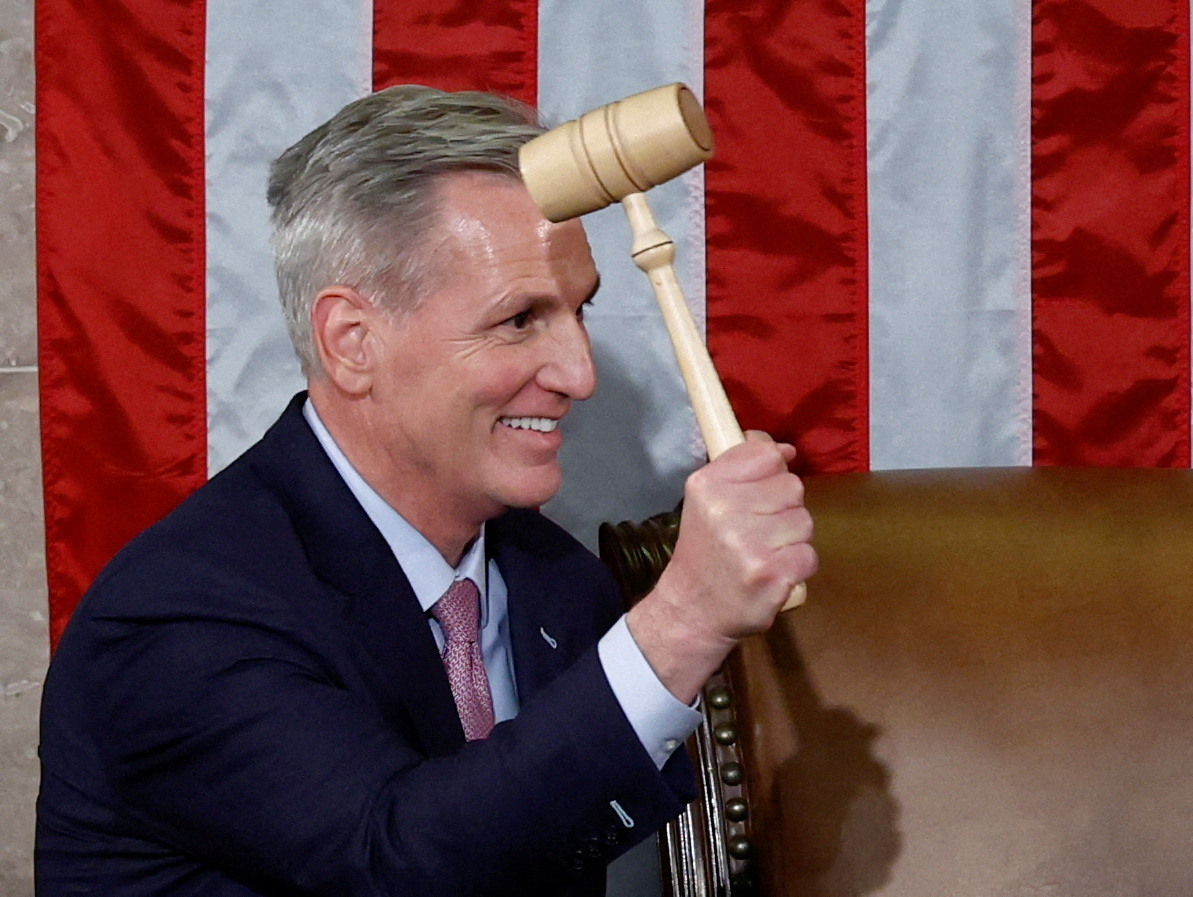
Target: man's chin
[(530, 503), (533, 493)]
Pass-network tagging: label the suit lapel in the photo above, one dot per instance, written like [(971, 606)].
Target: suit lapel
[(544, 634), (350, 555)]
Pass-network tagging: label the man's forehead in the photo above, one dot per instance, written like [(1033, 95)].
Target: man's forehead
[(473, 228), (493, 199), (491, 219)]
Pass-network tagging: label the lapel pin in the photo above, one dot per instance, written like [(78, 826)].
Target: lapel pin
[(547, 638), (625, 817)]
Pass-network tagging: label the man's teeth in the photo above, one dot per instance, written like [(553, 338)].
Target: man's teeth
[(542, 424)]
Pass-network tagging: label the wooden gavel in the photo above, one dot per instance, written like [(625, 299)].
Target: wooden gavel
[(614, 154)]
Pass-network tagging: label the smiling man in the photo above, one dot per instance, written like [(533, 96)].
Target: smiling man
[(469, 386), (357, 662)]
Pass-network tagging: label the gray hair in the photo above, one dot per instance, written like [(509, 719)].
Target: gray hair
[(353, 200)]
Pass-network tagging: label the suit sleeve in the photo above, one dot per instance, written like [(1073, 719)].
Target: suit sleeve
[(235, 740)]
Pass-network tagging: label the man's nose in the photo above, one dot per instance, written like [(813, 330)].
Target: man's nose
[(569, 369)]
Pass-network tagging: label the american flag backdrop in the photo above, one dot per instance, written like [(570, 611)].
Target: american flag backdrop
[(936, 233)]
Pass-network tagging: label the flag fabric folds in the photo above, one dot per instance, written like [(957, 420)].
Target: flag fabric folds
[(935, 233)]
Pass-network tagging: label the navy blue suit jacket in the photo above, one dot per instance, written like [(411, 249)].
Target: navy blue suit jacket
[(249, 700)]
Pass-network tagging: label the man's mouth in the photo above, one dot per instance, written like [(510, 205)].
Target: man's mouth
[(541, 424)]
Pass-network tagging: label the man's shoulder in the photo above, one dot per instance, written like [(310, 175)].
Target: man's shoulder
[(231, 528), (242, 523)]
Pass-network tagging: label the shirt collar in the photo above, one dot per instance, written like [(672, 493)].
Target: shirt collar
[(429, 574)]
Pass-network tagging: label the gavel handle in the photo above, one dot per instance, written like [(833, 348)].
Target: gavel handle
[(654, 252)]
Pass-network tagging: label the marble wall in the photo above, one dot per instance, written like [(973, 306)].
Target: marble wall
[(23, 629)]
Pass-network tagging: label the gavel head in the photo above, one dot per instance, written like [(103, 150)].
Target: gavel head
[(625, 147)]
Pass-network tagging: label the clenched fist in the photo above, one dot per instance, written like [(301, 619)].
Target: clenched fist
[(743, 544)]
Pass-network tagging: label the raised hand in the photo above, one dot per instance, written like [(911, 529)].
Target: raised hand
[(743, 544)]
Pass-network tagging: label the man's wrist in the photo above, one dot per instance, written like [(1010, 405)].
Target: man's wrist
[(660, 720), (681, 654)]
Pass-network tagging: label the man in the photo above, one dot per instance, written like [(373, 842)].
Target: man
[(270, 691)]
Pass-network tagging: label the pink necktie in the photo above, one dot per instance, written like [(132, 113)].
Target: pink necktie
[(458, 612)]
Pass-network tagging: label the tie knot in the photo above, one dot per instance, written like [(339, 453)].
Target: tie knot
[(458, 611)]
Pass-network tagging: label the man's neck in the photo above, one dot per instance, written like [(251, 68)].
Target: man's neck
[(449, 530)]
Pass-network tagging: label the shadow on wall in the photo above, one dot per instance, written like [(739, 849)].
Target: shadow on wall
[(830, 797)]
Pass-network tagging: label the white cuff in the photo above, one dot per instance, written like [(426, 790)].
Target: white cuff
[(661, 721)]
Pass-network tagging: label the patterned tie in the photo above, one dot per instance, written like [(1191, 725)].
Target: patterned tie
[(458, 612)]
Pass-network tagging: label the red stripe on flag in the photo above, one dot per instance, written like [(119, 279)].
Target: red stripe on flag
[(120, 276), (786, 222), (1110, 232), (487, 45)]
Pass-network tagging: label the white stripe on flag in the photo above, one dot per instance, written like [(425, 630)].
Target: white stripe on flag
[(270, 78), (948, 91), (630, 447)]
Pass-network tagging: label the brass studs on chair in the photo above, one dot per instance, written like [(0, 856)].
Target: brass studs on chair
[(733, 821), (740, 847), (725, 733)]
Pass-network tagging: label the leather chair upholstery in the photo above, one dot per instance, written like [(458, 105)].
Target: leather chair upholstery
[(989, 693)]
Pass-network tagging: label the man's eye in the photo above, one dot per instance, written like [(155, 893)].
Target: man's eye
[(520, 320)]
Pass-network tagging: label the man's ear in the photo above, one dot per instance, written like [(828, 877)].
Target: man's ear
[(341, 323)]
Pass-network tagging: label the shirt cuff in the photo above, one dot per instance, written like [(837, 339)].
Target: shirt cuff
[(661, 721)]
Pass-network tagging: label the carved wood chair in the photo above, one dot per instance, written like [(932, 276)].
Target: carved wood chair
[(988, 693)]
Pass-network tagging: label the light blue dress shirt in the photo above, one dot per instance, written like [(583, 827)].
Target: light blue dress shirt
[(661, 722)]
